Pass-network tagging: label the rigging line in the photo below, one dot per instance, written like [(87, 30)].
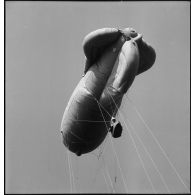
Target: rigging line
[(110, 181), (116, 157), (99, 104), (110, 103), (137, 151), (115, 173), (104, 144), (73, 188), (98, 168), (149, 155), (159, 145), (154, 164), (77, 170), (89, 121), (70, 173), (103, 109), (103, 148), (73, 178), (105, 180), (107, 173)]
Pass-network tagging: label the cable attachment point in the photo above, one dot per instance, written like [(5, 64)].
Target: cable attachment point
[(115, 128)]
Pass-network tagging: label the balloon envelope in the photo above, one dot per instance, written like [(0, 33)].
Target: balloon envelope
[(113, 63)]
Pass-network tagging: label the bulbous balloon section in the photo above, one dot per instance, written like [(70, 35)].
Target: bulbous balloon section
[(113, 58)]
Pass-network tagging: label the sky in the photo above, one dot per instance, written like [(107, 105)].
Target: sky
[(44, 63)]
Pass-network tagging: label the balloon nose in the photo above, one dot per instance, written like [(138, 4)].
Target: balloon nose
[(78, 153)]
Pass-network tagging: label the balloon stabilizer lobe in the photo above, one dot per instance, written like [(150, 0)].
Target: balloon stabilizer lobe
[(113, 59)]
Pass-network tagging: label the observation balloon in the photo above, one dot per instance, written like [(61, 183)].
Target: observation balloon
[(113, 58)]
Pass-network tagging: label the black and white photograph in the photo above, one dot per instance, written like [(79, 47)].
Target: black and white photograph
[(97, 97)]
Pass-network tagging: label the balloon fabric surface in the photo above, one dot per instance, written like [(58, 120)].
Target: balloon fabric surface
[(113, 58), (131, 130)]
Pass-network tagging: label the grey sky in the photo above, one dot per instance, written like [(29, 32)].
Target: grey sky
[(45, 61)]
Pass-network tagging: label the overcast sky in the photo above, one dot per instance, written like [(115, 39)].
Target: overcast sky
[(44, 63)]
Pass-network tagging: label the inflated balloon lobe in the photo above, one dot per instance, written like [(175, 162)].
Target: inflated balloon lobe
[(113, 58)]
